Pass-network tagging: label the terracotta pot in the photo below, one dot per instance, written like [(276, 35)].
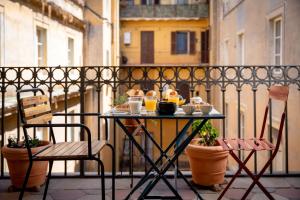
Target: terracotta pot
[(208, 163), (17, 161)]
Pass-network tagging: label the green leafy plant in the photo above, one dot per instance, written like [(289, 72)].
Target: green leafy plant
[(14, 143), (207, 133), (120, 100)]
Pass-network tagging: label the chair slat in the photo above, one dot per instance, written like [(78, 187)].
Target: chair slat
[(96, 147), (270, 145), (223, 144), (83, 150), (232, 143), (244, 145), (36, 110), (76, 145), (70, 150), (54, 148), (255, 146), (34, 100), (41, 119)]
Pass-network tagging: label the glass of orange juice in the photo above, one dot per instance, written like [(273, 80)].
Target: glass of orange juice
[(150, 103), (174, 99)]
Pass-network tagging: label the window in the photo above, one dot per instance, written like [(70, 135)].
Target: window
[(149, 2), (277, 41), (70, 51), (241, 49), (41, 35), (183, 42)]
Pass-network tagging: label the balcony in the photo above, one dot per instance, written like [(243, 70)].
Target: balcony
[(70, 189), (193, 11), (90, 90)]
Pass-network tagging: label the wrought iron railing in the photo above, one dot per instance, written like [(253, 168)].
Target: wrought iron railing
[(88, 90)]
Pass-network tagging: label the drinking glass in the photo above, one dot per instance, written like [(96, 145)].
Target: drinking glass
[(150, 103), (135, 104)]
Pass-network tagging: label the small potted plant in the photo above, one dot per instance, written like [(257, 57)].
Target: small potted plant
[(16, 154), (207, 158)]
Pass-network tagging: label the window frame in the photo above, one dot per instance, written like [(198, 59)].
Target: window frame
[(42, 45), (241, 48), (191, 47), (274, 38), (71, 58)]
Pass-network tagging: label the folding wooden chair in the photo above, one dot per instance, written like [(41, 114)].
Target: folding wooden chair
[(257, 144), (35, 111)]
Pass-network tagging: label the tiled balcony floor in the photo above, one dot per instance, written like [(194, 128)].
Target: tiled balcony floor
[(88, 189)]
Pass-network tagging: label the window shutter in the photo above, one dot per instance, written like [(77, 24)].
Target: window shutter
[(192, 43), (173, 43), (205, 46)]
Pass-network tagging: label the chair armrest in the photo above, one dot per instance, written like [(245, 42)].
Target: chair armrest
[(67, 125)]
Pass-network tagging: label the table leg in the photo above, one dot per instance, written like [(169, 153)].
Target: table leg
[(170, 162), (145, 155)]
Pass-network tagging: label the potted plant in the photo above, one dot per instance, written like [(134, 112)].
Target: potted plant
[(207, 158), (16, 154)]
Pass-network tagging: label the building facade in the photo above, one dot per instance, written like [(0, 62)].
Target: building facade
[(164, 32), (41, 33), (157, 33), (253, 32)]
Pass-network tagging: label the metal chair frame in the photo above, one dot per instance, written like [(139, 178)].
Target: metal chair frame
[(276, 92), (49, 125)]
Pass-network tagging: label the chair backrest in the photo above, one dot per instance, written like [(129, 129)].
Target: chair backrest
[(280, 93), (34, 109), (276, 93)]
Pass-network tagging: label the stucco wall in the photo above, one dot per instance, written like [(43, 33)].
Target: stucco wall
[(254, 18), (19, 37), (162, 40)]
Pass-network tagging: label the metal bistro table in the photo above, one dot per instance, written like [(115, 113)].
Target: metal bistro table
[(162, 164)]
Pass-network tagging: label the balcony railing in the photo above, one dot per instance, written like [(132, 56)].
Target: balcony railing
[(165, 11), (88, 91)]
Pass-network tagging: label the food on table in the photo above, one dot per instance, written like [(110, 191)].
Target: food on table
[(168, 93), (135, 92), (196, 100), (122, 108), (151, 93)]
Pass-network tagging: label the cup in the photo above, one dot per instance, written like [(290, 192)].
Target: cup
[(150, 103), (206, 108), (188, 109), (135, 104)]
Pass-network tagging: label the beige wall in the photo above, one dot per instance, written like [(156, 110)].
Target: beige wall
[(18, 41), (254, 18)]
